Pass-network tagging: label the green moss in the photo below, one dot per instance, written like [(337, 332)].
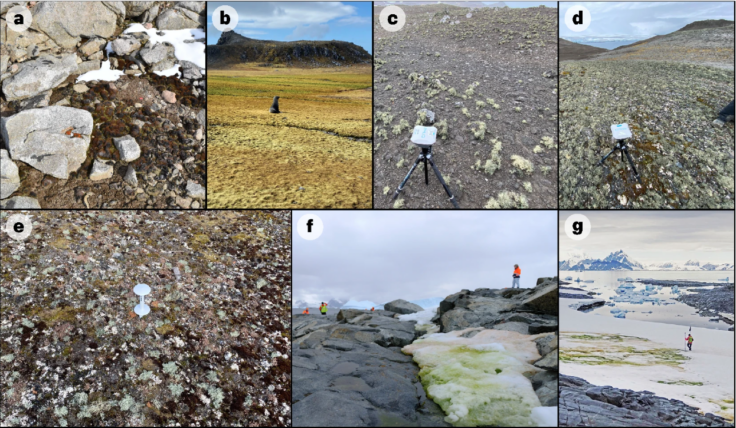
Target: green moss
[(522, 165)]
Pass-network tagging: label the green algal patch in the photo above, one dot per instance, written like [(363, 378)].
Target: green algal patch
[(61, 411), (522, 165), (216, 395), (398, 129)]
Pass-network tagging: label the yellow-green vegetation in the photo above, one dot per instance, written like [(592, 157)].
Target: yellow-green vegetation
[(522, 165), (507, 199), (442, 128), (528, 186), (399, 204), (592, 349), (478, 129), (401, 127), (494, 162), (315, 153)]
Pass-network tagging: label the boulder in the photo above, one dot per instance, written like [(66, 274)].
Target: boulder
[(20, 203), (128, 148), (178, 19), (194, 6), (134, 9), (402, 307), (39, 75), (202, 117), (545, 297), (100, 171), (336, 407), (125, 45), (190, 70), (546, 344), (39, 138), (548, 362), (159, 56), (67, 22), (348, 314), (9, 178), (92, 46)]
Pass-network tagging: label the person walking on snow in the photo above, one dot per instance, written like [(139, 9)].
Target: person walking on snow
[(689, 342), (323, 308), (517, 275)]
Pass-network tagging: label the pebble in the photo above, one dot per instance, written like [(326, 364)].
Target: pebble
[(138, 105), (195, 205), (178, 166), (130, 176), (199, 134), (80, 88), (100, 171), (195, 190), (183, 202), (169, 97)]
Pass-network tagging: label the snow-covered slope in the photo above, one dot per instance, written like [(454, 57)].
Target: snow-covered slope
[(363, 304), (619, 260)]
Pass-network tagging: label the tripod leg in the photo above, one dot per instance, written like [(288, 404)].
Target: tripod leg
[(606, 157), (426, 173), (442, 180), (403, 183), (631, 162)]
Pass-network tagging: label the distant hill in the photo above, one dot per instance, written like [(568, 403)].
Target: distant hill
[(570, 51), (708, 23), (232, 48)]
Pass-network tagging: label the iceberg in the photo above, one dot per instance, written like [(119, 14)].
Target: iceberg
[(423, 319), (568, 278), (428, 303)]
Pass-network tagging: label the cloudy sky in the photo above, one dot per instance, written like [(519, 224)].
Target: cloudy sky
[(288, 21), (385, 255), (639, 21), (655, 236)]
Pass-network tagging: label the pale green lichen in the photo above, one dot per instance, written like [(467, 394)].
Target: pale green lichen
[(399, 204), (212, 375), (538, 149), (522, 165), (80, 398), (442, 129), (478, 129), (126, 403), (61, 411), (388, 88), (170, 367), (548, 142), (176, 389), (506, 200), (146, 375), (528, 186), (27, 323), (400, 163), (398, 129), (216, 395), (7, 358), (494, 163), (386, 190)]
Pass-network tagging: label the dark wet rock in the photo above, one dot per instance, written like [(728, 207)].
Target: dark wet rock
[(39, 75), (711, 302), (39, 138), (402, 307), (588, 306), (583, 404), (548, 362)]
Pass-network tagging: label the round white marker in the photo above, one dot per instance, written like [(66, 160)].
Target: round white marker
[(577, 18), (18, 19), (310, 227), (142, 308), (19, 226), (577, 227), (225, 18), (392, 18)]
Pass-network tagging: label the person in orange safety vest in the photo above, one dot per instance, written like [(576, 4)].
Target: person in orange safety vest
[(516, 275)]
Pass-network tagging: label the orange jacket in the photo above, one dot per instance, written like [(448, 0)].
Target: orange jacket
[(372, 309), (517, 272), (306, 311)]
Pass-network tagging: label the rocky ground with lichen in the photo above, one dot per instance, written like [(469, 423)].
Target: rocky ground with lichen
[(135, 142), (669, 91), (215, 349), (488, 77)]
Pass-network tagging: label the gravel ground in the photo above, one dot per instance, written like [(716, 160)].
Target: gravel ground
[(214, 350)]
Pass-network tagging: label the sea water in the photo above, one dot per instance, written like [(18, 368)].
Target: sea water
[(660, 305)]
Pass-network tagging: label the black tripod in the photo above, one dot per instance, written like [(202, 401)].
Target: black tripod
[(426, 155), (624, 148)]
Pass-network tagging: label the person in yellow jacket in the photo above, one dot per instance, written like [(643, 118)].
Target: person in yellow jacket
[(689, 342), (516, 275), (323, 308)]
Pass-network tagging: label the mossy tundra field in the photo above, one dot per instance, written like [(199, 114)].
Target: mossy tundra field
[(489, 76), (669, 91), (315, 154), (214, 350)]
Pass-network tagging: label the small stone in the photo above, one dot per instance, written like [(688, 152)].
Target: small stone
[(190, 159), (130, 176), (195, 205), (134, 66), (184, 202), (128, 148), (199, 134), (80, 88), (100, 171), (169, 97), (195, 190), (178, 166), (138, 105)]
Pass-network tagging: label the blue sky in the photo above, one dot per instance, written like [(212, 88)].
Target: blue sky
[(641, 20), (289, 21), (518, 4)]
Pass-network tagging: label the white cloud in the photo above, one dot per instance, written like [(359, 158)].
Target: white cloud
[(279, 15), (354, 20), (310, 32)]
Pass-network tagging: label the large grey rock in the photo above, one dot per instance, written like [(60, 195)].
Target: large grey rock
[(134, 9), (67, 22), (546, 344), (159, 56), (328, 408), (190, 70), (125, 45), (194, 6), (548, 362), (20, 203), (36, 101), (92, 46), (545, 298), (37, 137), (177, 19), (585, 405), (348, 314), (39, 75), (100, 171), (195, 190), (128, 148), (87, 66), (402, 307), (9, 178)]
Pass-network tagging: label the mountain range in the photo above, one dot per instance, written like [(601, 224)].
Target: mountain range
[(619, 260), (232, 49)]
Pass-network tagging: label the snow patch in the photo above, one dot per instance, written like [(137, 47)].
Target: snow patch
[(192, 52), (105, 73)]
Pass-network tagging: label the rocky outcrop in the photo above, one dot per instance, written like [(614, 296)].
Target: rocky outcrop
[(491, 308), (352, 372), (588, 306), (400, 306), (586, 405), (20, 203), (34, 77), (53, 140), (183, 15), (67, 22)]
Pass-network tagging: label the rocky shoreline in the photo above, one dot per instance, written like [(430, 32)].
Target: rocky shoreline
[(586, 405), (99, 107), (712, 303), (350, 370), (679, 283)]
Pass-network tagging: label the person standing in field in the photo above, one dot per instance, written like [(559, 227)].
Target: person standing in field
[(516, 276)]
